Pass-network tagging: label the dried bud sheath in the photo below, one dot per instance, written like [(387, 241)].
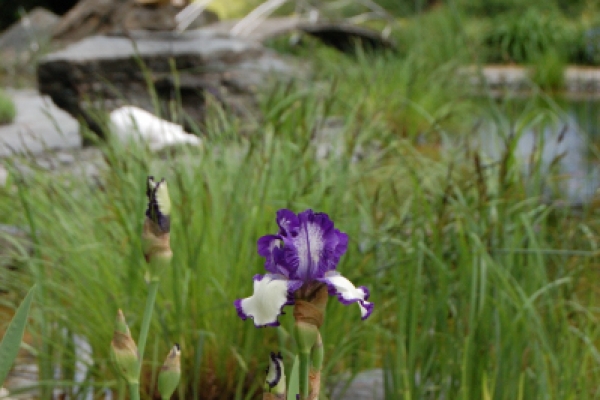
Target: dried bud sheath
[(170, 373), (124, 350), (273, 396), (309, 308)]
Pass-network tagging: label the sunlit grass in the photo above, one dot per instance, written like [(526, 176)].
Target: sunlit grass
[(481, 289)]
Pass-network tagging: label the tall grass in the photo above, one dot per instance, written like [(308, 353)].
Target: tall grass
[(490, 301), (481, 289)]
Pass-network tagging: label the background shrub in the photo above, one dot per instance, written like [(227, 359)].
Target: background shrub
[(548, 71), (524, 38), (7, 109)]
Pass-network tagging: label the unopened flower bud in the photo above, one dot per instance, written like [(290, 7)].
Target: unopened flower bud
[(156, 243), (310, 304), (170, 372), (274, 388), (124, 350), (306, 336)]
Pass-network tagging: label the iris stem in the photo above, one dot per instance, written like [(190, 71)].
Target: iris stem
[(316, 359), (306, 337), (134, 391), (146, 322), (304, 374), (317, 354)]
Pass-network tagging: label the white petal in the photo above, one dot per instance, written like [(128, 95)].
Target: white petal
[(271, 294), (347, 293)]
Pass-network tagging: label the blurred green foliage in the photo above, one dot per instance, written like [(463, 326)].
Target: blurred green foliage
[(525, 37), (7, 109), (492, 8), (548, 71)]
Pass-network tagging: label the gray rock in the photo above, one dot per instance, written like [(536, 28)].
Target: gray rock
[(65, 158), (108, 70), (45, 164), (39, 125), (87, 163), (23, 378), (3, 176), (29, 35), (367, 385)]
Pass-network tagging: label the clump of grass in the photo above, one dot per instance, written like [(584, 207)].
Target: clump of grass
[(524, 37), (548, 71), (7, 109)]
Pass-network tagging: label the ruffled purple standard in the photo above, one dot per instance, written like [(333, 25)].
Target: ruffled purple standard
[(306, 249), (311, 245)]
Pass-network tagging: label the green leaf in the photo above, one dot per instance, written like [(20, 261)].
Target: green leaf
[(11, 342), (294, 382)]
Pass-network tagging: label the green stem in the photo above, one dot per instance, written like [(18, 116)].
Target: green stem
[(303, 375), (146, 322), (316, 358), (316, 354), (134, 391)]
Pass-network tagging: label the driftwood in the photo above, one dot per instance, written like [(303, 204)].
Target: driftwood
[(117, 17), (338, 34)]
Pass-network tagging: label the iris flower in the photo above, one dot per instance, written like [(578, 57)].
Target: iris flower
[(300, 259)]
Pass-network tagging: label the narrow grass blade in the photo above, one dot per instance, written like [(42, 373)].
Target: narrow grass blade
[(294, 383), (9, 347)]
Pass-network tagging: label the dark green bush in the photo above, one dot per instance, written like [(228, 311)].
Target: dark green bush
[(7, 109), (523, 38), (494, 8), (548, 72)]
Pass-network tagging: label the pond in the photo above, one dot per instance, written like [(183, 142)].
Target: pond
[(561, 136)]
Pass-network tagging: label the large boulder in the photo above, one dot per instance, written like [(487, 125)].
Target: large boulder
[(28, 36), (105, 72)]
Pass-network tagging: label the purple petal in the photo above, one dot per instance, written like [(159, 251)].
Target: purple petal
[(288, 222), (271, 293), (316, 247), (342, 244), (347, 293), (266, 245)]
